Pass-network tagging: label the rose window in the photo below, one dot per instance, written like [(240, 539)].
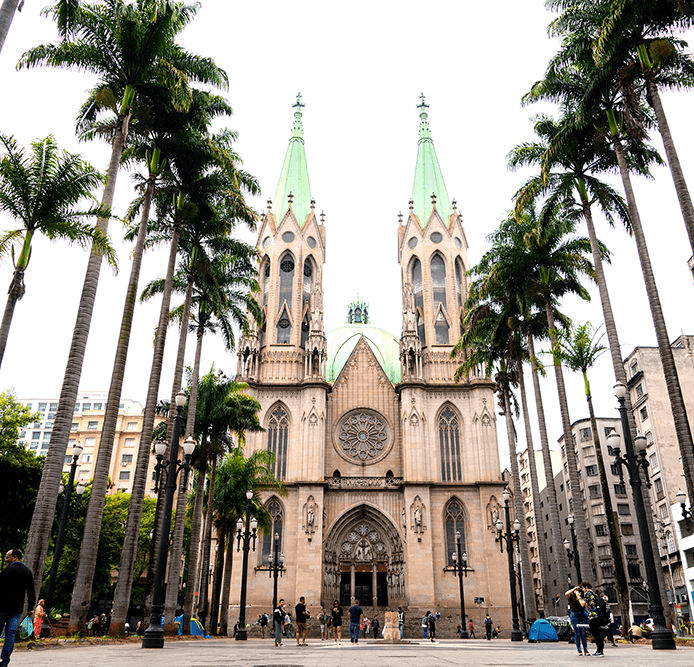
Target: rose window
[(363, 436)]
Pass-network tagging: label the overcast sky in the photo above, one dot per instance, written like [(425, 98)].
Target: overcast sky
[(360, 68)]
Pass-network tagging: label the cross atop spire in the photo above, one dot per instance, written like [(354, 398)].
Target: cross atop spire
[(298, 103), (422, 105)]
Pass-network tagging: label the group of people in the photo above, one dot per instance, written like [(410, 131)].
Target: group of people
[(282, 623), (99, 625), (589, 610)]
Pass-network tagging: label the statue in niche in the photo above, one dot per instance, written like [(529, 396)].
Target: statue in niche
[(310, 509), (408, 308), (417, 509), (363, 551), (317, 309), (493, 513)]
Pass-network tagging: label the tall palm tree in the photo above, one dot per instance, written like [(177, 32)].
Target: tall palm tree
[(580, 349), (43, 190), (128, 47), (7, 11)]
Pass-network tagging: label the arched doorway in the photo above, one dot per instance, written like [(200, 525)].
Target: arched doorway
[(364, 560)]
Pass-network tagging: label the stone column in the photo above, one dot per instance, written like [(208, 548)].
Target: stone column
[(352, 583), (374, 589)]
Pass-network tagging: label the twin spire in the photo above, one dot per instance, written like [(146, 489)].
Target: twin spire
[(429, 189)]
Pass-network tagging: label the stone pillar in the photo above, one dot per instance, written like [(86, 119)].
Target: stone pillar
[(374, 588), (352, 583)]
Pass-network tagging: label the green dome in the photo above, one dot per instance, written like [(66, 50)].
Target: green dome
[(342, 341)]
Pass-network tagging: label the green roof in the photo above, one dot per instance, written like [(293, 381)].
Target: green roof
[(428, 178), (294, 176), (343, 340)]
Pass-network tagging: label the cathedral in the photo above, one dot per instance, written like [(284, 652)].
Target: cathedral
[(384, 457)]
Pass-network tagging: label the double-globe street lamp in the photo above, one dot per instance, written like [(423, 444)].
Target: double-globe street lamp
[(572, 549), (250, 532), (60, 537), (686, 512), (661, 635), (276, 567), (510, 537), (461, 569), (154, 634)]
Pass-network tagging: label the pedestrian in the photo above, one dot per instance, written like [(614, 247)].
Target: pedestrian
[(302, 616), (107, 623), (39, 615), (578, 618), (610, 625), (288, 626), (16, 581), (236, 629), (471, 631), (496, 632), (336, 618), (126, 629), (355, 614), (102, 625), (278, 622), (598, 616), (425, 624), (432, 626), (375, 627), (488, 625), (263, 624), (323, 620), (96, 626), (401, 621)]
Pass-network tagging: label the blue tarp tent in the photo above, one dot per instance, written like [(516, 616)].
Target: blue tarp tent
[(542, 631), (196, 629)]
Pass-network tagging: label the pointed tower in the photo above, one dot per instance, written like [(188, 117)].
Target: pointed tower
[(290, 344), (432, 251)]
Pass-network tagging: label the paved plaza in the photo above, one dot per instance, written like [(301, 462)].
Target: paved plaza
[(261, 653)]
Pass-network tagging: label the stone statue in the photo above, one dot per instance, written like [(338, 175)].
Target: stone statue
[(309, 516), (408, 308), (317, 309), (418, 517), (363, 551)]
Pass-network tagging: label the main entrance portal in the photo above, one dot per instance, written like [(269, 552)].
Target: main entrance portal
[(364, 560)]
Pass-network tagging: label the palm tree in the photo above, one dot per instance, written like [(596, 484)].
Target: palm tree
[(7, 10), (580, 349), (42, 190), (128, 47)]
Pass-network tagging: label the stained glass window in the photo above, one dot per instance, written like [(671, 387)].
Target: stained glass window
[(455, 522), (449, 443), (277, 434)]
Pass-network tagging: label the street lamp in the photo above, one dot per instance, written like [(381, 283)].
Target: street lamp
[(510, 537), (686, 513), (154, 634), (60, 538), (572, 549), (460, 568), (276, 567), (661, 635), (250, 531)]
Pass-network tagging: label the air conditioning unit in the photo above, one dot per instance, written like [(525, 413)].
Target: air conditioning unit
[(124, 463)]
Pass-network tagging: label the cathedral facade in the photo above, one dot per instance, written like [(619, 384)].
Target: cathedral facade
[(385, 458)]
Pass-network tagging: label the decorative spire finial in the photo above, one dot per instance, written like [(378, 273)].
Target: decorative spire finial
[(400, 217), (423, 122), (298, 130), (313, 203), (422, 105), (322, 217), (454, 203), (269, 204), (411, 202), (433, 198), (298, 103), (290, 198)]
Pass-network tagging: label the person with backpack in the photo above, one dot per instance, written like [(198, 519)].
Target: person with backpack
[(598, 616), (278, 622), (488, 625), (578, 618)]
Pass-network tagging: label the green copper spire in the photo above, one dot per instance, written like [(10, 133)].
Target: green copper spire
[(428, 179), (294, 177)]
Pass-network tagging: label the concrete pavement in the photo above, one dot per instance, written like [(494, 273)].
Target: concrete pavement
[(262, 653)]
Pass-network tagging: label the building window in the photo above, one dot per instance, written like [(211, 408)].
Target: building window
[(653, 462), (284, 329), (610, 429), (92, 426), (129, 442), (600, 530), (276, 512), (98, 406), (36, 435), (634, 367), (591, 471), (68, 460), (438, 281), (623, 509), (634, 570), (663, 511), (607, 569), (46, 436), (670, 538), (89, 442), (620, 489), (418, 298), (286, 282), (42, 407), (598, 510), (277, 436), (614, 469), (132, 426), (644, 413), (604, 551), (658, 488), (87, 458), (459, 282), (127, 458), (86, 406), (627, 529), (586, 434), (441, 328), (630, 550), (455, 522), (639, 390), (649, 437), (449, 444), (124, 475)]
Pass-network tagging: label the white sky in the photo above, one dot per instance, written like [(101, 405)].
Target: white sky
[(360, 68)]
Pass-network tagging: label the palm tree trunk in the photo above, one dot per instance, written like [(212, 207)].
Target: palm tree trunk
[(203, 602), (620, 576), (192, 585), (537, 510), (7, 11), (217, 585), (679, 412), (44, 509), (121, 601), (82, 592), (583, 536), (226, 585), (528, 592), (557, 543), (674, 162), (14, 294)]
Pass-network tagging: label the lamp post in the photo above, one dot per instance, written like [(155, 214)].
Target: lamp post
[(519, 576), (276, 567), (250, 532), (510, 537), (60, 538), (460, 568), (154, 634), (572, 549), (661, 635), (686, 512)]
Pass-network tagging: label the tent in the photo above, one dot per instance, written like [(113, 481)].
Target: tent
[(542, 631), (196, 629)]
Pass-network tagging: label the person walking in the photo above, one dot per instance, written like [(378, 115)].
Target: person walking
[(596, 609), (488, 625), (336, 618), (425, 625), (355, 615), (278, 622), (16, 582), (263, 624), (39, 615), (578, 618), (302, 616), (401, 621), (375, 627), (471, 631), (432, 627), (323, 620)]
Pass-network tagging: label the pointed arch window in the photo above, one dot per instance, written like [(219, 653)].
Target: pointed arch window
[(308, 281), (418, 298), (277, 440), (438, 281), (263, 330), (459, 282), (454, 520), (284, 329), (276, 512), (441, 328), (266, 282), (449, 445), (286, 280)]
